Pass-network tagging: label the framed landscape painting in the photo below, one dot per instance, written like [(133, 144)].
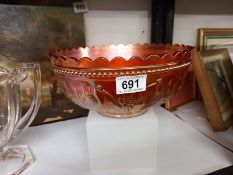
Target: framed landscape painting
[(214, 37), (28, 34), (214, 72)]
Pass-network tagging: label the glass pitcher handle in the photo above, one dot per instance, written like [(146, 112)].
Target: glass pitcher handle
[(24, 121)]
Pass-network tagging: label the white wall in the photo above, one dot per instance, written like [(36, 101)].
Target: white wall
[(191, 15), (117, 22), (128, 21), (185, 26)]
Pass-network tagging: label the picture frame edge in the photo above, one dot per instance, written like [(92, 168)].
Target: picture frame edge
[(214, 114)]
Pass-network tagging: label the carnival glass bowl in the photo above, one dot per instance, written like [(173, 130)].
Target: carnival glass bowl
[(123, 80)]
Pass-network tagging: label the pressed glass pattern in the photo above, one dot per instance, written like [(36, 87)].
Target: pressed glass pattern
[(88, 75)]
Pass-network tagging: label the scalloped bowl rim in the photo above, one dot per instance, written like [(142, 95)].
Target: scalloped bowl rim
[(145, 45)]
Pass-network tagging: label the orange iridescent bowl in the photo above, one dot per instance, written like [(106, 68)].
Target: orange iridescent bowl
[(123, 80)]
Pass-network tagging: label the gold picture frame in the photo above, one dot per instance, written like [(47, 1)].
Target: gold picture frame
[(211, 37), (214, 73)]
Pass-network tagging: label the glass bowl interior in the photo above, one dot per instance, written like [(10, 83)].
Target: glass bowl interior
[(121, 56)]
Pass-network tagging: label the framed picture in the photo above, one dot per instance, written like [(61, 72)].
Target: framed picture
[(213, 37), (28, 34), (214, 73)]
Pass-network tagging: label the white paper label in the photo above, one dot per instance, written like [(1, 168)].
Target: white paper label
[(130, 84), (80, 6)]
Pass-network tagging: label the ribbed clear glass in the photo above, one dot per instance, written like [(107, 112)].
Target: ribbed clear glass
[(14, 159)]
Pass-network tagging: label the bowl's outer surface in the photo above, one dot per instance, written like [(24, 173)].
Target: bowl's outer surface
[(91, 82)]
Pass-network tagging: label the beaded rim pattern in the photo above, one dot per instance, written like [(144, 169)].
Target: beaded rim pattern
[(115, 72)]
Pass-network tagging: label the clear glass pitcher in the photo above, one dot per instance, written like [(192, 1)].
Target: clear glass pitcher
[(14, 159)]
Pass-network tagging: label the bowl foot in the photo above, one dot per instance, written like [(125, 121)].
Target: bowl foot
[(15, 159), (123, 115)]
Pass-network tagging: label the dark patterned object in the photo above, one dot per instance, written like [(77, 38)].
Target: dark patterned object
[(39, 2), (224, 171), (27, 34)]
